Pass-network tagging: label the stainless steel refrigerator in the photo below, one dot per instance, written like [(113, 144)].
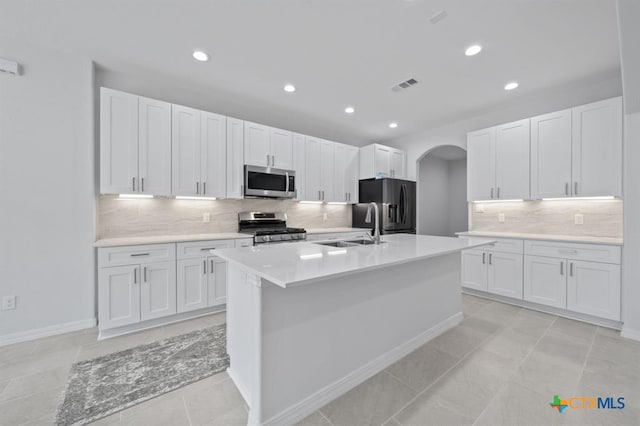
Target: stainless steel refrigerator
[(396, 199)]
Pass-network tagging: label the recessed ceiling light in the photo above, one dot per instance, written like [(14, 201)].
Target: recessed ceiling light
[(199, 55), (349, 110), (290, 88), (511, 86), (473, 50), (393, 125)]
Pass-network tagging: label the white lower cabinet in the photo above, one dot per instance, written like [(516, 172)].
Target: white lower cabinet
[(118, 296), (505, 274), (192, 284), (157, 290), (594, 288), (496, 269), (545, 281), (217, 282)]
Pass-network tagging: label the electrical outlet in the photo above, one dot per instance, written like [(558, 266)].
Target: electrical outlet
[(325, 216), (578, 219), (206, 217), (500, 217), (479, 208), (8, 303)]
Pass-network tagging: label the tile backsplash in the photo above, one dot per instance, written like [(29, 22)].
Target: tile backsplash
[(602, 218), (118, 217)]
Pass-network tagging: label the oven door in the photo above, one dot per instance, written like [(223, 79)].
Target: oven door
[(269, 182)]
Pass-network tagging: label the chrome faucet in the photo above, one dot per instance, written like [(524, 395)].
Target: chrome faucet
[(376, 232)]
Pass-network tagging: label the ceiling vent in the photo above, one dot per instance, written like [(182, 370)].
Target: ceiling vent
[(10, 67), (404, 85), (438, 17)]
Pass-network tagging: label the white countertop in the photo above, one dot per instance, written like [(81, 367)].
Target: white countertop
[(162, 239), (546, 237), (302, 263)]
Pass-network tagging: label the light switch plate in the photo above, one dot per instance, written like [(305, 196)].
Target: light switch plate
[(578, 219), (500, 217)]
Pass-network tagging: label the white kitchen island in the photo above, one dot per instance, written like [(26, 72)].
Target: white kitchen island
[(307, 322)]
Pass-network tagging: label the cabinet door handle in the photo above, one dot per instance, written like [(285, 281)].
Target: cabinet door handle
[(566, 188), (562, 268), (133, 184), (144, 272), (323, 195), (135, 275), (267, 160), (273, 160), (211, 266), (142, 185), (139, 254), (571, 269), (498, 193), (484, 255), (207, 248), (490, 258), (492, 193), (204, 266), (204, 188), (575, 188), (318, 194), (197, 187)]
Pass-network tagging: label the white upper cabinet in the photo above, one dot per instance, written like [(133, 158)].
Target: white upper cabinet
[(267, 146), (512, 160), (199, 153), (257, 149), (313, 172), (551, 155), (327, 172), (186, 128), (213, 155), (597, 149), (281, 149), (299, 165), (118, 142), (235, 158), (135, 144), (382, 160), (481, 170), (346, 173), (573, 153), (154, 142)]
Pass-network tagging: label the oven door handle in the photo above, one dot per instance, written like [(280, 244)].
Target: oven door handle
[(286, 176)]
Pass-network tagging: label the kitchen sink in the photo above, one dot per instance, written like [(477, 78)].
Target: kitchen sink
[(348, 243)]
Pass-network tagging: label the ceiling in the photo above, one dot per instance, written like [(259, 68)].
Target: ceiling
[(337, 52), (448, 152)]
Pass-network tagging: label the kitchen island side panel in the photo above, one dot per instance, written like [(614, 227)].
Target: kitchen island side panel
[(320, 338)]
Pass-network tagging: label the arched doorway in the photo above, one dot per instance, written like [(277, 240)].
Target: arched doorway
[(441, 188)]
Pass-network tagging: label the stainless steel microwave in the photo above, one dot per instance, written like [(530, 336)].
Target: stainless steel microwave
[(269, 182)]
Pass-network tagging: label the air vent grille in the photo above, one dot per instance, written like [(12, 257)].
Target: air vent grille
[(404, 85)]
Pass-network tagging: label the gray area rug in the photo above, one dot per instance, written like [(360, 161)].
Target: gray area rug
[(108, 384)]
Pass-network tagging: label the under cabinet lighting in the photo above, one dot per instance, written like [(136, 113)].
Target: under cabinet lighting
[(135, 196), (580, 198), (310, 202), (185, 197), (337, 202), (498, 201)]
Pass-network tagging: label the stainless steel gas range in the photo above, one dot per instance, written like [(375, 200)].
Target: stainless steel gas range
[(269, 228)]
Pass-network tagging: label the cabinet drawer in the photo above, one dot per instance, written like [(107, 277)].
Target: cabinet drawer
[(132, 255), (244, 242), (201, 248), (575, 251), (506, 245)]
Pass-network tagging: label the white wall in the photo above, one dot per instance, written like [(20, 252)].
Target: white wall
[(46, 191), (546, 101), (458, 207), (628, 18), (442, 196)]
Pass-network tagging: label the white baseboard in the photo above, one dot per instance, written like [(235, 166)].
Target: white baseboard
[(630, 334), (24, 336), (302, 409)]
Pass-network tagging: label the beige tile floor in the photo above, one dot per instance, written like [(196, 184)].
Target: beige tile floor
[(501, 366)]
